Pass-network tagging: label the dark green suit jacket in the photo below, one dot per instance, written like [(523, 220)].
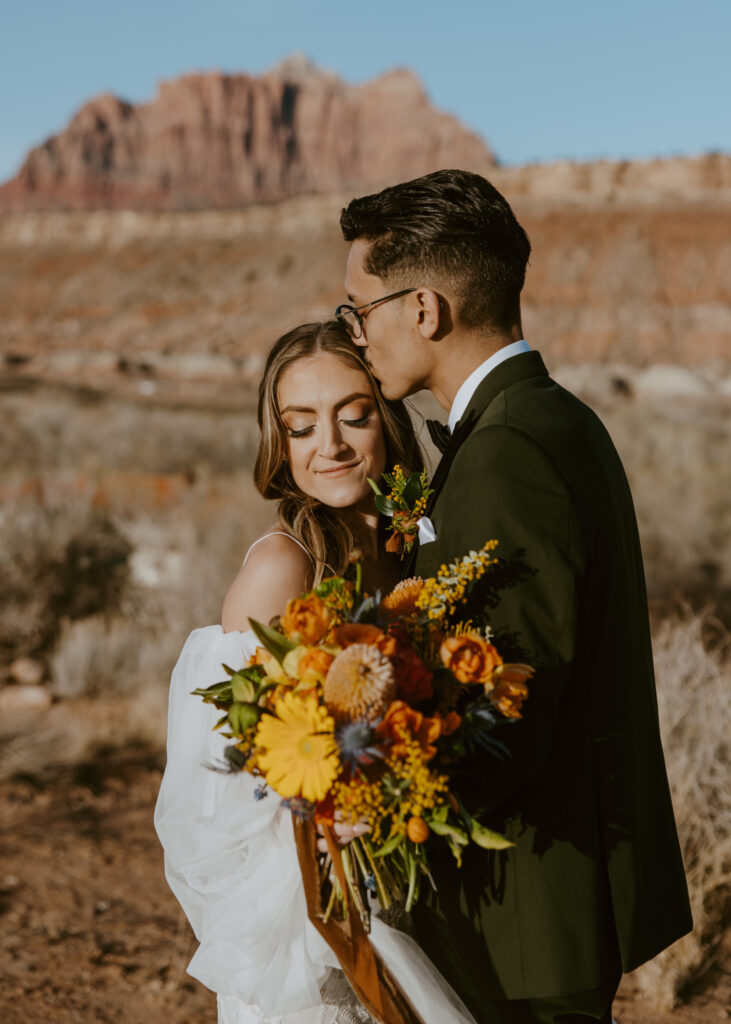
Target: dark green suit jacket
[(595, 878)]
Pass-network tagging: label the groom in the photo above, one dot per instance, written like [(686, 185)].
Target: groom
[(594, 884)]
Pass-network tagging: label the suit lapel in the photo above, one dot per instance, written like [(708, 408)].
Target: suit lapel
[(512, 371)]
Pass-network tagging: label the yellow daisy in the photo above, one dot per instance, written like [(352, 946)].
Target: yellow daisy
[(300, 755)]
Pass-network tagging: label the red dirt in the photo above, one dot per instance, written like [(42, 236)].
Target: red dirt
[(91, 931)]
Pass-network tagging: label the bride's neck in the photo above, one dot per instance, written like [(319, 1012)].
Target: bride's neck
[(363, 524)]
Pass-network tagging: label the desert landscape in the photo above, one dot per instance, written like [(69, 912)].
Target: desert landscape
[(139, 294)]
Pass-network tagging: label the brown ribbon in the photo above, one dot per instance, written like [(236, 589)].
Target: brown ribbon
[(368, 976)]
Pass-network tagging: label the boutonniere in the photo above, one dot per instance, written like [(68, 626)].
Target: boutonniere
[(405, 505)]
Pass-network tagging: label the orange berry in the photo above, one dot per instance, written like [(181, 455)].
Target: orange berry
[(417, 830)]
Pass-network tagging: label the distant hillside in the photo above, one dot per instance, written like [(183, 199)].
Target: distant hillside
[(215, 140)]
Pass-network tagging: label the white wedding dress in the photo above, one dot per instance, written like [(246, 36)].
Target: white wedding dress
[(230, 860)]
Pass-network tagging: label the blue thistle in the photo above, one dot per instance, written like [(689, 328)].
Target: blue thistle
[(355, 740)]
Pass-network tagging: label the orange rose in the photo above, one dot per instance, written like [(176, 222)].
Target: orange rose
[(307, 618), (470, 658), (402, 723), (508, 697), (356, 633), (313, 665)]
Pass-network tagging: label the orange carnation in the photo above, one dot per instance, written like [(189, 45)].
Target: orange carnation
[(401, 723), (307, 618), (313, 665), (356, 633), (470, 658)]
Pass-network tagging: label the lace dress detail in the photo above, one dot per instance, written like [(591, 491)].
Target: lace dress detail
[(339, 1006)]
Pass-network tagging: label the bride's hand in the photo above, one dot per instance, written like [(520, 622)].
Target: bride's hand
[(343, 832)]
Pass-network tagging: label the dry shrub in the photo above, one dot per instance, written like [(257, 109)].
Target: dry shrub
[(694, 696), (59, 560)]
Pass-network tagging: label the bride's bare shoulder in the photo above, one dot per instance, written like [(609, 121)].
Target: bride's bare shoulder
[(276, 568)]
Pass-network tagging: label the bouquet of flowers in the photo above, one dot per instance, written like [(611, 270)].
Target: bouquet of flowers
[(363, 708)]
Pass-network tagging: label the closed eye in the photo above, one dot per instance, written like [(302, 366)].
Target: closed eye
[(305, 432), (362, 422)]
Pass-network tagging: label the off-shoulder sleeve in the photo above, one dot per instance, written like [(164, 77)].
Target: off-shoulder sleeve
[(230, 859)]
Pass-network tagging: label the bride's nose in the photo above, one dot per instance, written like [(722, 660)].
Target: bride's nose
[(332, 442)]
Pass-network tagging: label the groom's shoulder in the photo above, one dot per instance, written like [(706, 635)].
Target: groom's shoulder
[(543, 408)]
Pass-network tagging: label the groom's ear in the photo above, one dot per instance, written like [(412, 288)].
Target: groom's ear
[(432, 313)]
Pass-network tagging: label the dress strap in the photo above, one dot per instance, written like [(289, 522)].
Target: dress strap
[(278, 533)]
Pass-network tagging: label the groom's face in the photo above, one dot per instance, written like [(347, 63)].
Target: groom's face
[(392, 349)]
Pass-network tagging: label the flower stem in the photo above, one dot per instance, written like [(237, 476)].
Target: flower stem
[(384, 895), (352, 881)]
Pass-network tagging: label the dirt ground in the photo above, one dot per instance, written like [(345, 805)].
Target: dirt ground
[(90, 931)]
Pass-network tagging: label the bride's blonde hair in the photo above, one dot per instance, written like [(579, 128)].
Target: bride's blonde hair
[(318, 527)]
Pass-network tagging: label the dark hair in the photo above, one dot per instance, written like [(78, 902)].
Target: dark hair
[(319, 528), (447, 227)]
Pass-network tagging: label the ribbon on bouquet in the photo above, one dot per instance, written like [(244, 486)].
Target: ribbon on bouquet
[(367, 974)]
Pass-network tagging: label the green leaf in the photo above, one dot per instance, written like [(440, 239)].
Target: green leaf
[(412, 490), (454, 832), (390, 845), (242, 688), (242, 716), (215, 690), (456, 851), (274, 642), (221, 721), (376, 489), (386, 506), (486, 838), (231, 671)]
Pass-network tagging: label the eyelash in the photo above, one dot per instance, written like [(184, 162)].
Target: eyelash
[(362, 422)]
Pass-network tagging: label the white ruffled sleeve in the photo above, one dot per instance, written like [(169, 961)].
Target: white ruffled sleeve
[(230, 859)]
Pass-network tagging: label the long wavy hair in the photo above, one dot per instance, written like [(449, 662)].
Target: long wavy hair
[(318, 527)]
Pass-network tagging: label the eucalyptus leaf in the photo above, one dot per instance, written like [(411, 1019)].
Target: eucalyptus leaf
[(275, 643)]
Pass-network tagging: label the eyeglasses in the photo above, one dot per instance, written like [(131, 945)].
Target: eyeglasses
[(350, 316)]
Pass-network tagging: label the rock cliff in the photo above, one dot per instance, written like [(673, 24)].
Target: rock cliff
[(218, 140)]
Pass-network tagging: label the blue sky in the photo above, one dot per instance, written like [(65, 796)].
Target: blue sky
[(539, 79)]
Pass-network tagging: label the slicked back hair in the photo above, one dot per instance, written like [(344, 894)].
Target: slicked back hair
[(450, 228)]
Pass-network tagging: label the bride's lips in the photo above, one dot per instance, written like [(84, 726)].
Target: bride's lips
[(337, 471)]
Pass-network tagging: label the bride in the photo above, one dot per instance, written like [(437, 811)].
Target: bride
[(230, 857)]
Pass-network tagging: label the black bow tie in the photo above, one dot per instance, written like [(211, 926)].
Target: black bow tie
[(439, 434)]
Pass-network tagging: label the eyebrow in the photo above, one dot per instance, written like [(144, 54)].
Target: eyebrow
[(340, 404)]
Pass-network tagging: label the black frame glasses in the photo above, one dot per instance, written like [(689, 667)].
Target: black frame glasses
[(350, 316)]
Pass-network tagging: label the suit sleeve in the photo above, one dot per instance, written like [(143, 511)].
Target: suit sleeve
[(504, 485)]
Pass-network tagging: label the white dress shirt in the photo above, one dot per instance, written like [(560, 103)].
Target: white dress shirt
[(468, 387)]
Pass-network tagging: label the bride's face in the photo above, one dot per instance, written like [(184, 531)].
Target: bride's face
[(335, 435)]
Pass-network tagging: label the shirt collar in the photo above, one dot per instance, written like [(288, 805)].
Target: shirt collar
[(469, 386)]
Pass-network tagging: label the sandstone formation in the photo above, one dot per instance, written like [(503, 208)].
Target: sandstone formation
[(217, 140)]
